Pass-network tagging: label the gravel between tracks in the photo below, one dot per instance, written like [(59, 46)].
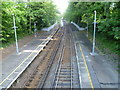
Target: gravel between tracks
[(31, 77)]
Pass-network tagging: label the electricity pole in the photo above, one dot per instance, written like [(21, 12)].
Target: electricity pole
[(30, 18), (17, 50), (35, 29), (93, 48), (87, 29)]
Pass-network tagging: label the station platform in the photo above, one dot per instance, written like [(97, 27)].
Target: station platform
[(14, 65)]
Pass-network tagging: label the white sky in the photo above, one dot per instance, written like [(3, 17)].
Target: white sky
[(62, 5)]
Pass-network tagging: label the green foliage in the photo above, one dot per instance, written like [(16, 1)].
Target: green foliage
[(108, 18), (44, 13)]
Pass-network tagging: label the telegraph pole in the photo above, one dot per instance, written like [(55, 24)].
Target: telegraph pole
[(30, 24), (30, 17), (17, 50), (87, 29), (35, 29), (93, 48)]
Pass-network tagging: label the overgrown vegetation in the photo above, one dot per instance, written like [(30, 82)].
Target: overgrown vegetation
[(108, 19), (26, 13)]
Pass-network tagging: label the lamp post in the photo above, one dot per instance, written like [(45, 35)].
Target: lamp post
[(62, 22), (87, 29), (35, 28), (93, 48), (29, 18), (30, 23), (17, 50)]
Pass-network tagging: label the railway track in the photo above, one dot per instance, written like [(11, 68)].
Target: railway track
[(63, 76), (53, 55), (17, 72), (63, 65), (40, 63), (57, 68), (65, 73)]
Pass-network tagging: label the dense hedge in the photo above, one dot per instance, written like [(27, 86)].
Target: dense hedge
[(108, 16), (44, 13)]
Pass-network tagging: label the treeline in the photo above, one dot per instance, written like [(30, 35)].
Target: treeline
[(26, 13), (108, 18)]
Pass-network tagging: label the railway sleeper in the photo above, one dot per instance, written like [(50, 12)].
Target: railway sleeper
[(65, 80), (66, 65), (62, 87), (64, 70), (67, 84), (61, 74), (63, 83), (64, 76)]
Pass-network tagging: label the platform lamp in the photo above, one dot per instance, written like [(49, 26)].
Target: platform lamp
[(87, 29), (93, 47), (35, 29), (14, 26), (17, 50)]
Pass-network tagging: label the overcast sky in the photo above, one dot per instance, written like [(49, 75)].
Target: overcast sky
[(62, 5)]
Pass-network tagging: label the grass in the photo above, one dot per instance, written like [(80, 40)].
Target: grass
[(106, 46), (104, 43)]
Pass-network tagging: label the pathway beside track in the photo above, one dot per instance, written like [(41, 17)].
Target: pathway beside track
[(15, 64), (67, 63)]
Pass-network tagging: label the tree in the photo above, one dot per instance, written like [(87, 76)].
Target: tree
[(44, 13)]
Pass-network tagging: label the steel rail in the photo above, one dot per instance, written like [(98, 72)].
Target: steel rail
[(59, 67), (71, 61), (61, 50), (78, 64), (44, 44), (42, 81)]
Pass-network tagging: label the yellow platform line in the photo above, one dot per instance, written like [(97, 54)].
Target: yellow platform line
[(83, 56)]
